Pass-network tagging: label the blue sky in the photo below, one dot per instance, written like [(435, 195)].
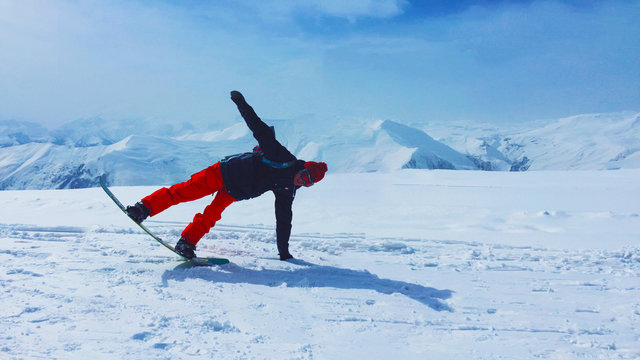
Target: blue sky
[(409, 61)]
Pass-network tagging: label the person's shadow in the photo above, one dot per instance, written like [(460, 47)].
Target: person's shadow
[(314, 276)]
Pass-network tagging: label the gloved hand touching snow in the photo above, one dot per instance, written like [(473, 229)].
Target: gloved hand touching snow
[(286, 256)]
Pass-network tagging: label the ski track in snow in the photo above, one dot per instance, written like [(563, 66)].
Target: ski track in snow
[(112, 292)]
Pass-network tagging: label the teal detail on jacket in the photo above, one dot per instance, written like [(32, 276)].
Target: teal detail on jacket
[(278, 165)]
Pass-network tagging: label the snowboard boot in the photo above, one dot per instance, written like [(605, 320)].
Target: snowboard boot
[(138, 212), (185, 248)]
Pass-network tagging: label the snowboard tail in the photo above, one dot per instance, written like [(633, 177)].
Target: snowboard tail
[(197, 260)]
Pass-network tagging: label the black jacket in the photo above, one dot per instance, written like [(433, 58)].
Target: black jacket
[(247, 175)]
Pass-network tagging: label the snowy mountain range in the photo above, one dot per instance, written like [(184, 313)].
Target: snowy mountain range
[(583, 142), (142, 152)]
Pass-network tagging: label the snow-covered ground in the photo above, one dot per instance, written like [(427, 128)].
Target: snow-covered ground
[(412, 264)]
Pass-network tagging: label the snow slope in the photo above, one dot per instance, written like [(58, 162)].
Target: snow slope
[(411, 264)]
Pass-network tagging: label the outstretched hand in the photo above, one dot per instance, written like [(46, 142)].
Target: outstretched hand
[(237, 97)]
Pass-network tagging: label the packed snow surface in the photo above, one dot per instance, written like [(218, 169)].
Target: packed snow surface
[(413, 264)]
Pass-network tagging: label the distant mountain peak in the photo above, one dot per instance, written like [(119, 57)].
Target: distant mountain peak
[(429, 153), (145, 152)]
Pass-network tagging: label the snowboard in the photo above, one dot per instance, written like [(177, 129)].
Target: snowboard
[(197, 260)]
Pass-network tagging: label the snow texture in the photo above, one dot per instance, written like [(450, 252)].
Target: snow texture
[(411, 264)]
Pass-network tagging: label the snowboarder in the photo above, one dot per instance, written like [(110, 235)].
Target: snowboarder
[(238, 177)]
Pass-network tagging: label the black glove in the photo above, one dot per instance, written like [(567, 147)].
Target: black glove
[(286, 256), (237, 97)]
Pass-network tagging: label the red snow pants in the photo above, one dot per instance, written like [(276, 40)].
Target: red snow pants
[(201, 184)]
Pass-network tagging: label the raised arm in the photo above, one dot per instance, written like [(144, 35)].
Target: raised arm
[(259, 129), (265, 135)]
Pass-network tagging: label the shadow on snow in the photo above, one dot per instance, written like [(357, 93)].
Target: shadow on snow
[(312, 276)]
